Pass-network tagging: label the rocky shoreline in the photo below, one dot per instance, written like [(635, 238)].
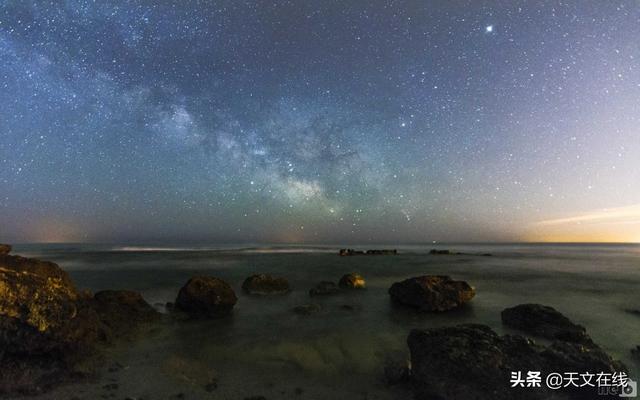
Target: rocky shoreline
[(54, 333)]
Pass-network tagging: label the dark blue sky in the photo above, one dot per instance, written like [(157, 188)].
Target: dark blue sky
[(319, 121)]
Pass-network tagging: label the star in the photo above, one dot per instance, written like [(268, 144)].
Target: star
[(489, 29)]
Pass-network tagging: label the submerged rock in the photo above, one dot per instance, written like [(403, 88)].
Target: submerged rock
[(264, 284), (544, 321), (472, 362), (635, 353), (397, 368), (432, 292), (352, 281), (204, 296), (324, 288), (4, 249), (307, 309)]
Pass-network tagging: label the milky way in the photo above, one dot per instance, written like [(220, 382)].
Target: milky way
[(319, 121)]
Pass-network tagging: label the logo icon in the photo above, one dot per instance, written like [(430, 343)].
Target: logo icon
[(630, 389)]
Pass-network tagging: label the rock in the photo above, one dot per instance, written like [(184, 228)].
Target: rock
[(352, 252), (324, 288), (46, 325), (439, 252), (635, 353), (471, 361), (4, 249), (431, 292), (633, 311), (307, 309), (544, 321), (204, 296), (264, 284), (121, 310), (352, 281), (397, 368)]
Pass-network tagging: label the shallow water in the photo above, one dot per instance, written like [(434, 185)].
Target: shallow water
[(266, 349)]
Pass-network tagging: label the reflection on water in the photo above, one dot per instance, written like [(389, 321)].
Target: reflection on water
[(266, 349)]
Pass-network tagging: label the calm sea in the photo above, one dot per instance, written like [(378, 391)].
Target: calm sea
[(266, 349)]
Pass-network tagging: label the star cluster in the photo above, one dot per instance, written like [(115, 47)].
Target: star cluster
[(317, 121)]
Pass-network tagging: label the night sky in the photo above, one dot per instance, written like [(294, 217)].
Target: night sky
[(319, 121)]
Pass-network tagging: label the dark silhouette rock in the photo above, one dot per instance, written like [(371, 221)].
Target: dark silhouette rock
[(307, 309), (4, 249), (352, 252), (472, 362), (397, 368), (352, 281), (204, 296), (431, 293), (121, 310), (544, 321), (264, 284), (324, 288), (439, 252)]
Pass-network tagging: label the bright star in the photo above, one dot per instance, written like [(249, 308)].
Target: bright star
[(489, 29)]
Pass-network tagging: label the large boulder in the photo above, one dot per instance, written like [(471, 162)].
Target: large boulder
[(263, 284), (4, 249), (122, 310), (205, 296), (324, 288), (432, 292), (352, 281), (544, 321), (471, 361), (46, 325)]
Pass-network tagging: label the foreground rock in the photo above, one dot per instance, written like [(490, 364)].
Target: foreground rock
[(324, 288), (374, 252), (206, 297), (121, 310), (473, 362), (50, 333), (352, 281), (546, 322), (4, 249), (263, 284), (432, 293)]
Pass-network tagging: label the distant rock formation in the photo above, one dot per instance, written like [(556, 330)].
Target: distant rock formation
[(440, 252), (324, 288), (545, 322), (206, 297), (352, 281), (432, 292), (352, 252), (49, 331), (263, 284), (472, 362), (4, 249)]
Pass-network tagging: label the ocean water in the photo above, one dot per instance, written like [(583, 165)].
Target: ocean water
[(266, 349)]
